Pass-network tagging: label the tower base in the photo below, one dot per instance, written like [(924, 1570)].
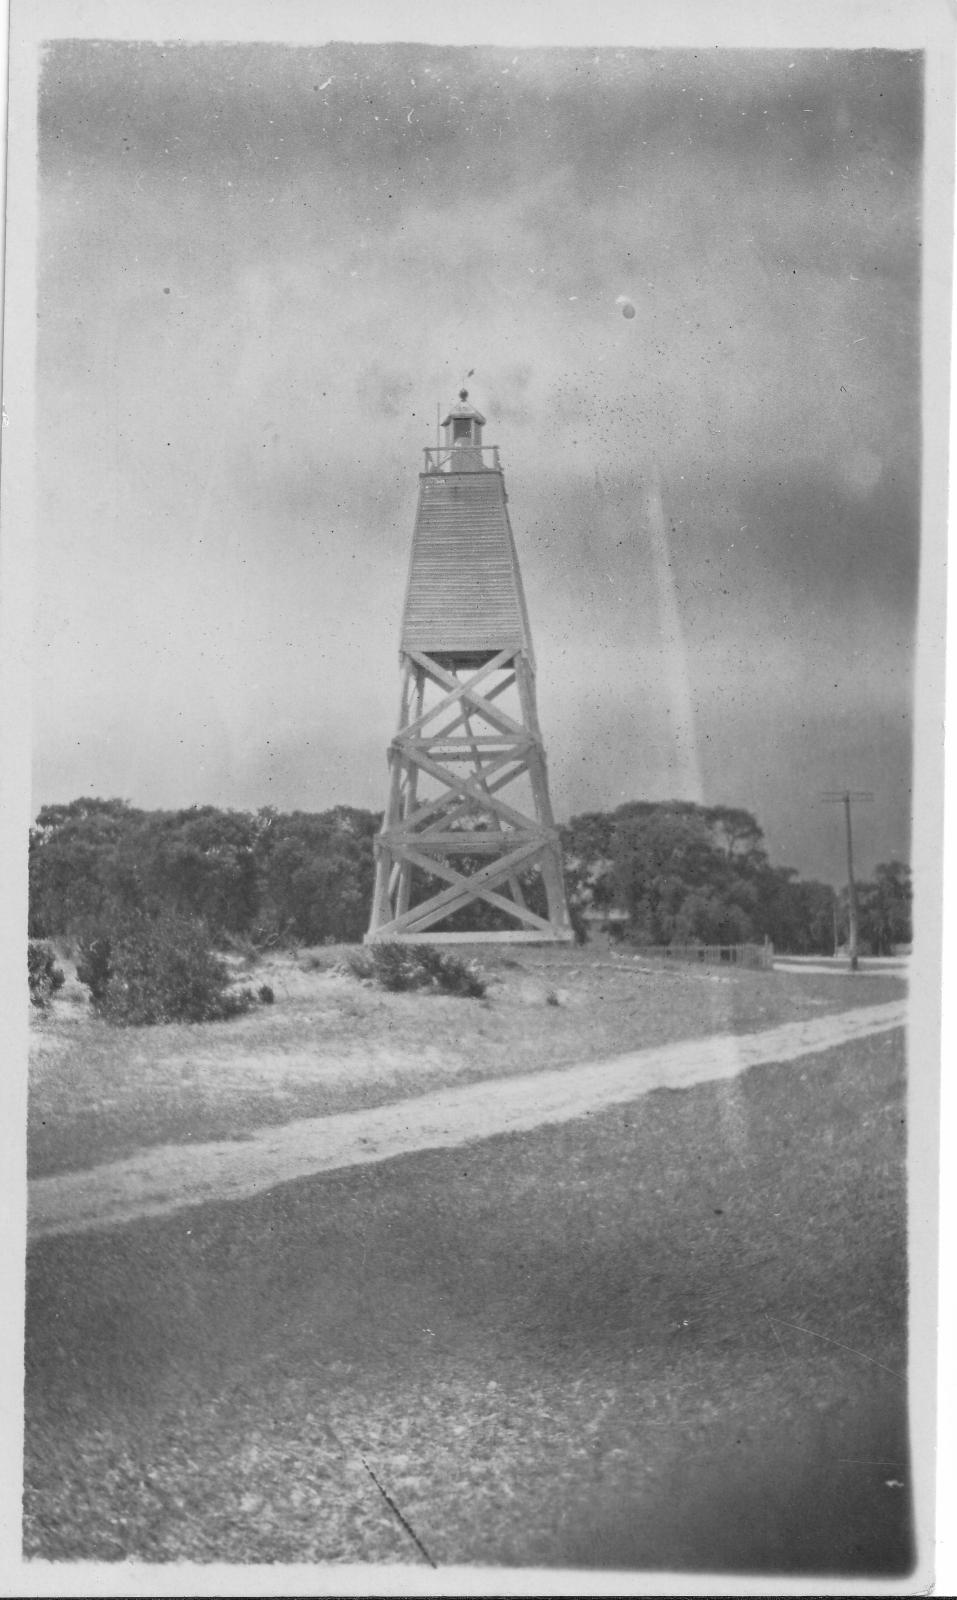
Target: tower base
[(455, 862)]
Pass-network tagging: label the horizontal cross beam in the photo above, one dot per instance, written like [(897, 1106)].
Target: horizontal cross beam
[(461, 841), (506, 936)]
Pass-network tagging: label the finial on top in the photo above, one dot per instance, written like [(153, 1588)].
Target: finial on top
[(463, 394)]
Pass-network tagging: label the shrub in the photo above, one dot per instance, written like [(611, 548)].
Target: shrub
[(359, 964), (460, 977), (265, 995), (399, 967), (43, 974), (159, 970), (93, 964)]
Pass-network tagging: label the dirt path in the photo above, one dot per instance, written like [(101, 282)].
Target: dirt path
[(167, 1178)]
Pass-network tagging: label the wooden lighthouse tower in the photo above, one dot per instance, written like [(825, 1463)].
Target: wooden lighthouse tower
[(468, 831)]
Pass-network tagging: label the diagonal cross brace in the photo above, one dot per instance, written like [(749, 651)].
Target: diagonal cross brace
[(447, 900), (456, 690), (514, 767), (441, 869), (469, 789), (465, 692), (485, 699), (458, 809)]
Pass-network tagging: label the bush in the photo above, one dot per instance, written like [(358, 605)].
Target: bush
[(399, 967), (43, 974), (265, 995), (93, 964), (460, 977), (158, 970)]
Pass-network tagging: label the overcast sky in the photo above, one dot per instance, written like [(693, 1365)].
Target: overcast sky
[(263, 266)]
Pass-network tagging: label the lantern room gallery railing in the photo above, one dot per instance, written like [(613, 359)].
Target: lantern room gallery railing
[(462, 458)]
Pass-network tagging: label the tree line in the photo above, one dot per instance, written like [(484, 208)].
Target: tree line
[(682, 873), (673, 872), (267, 876)]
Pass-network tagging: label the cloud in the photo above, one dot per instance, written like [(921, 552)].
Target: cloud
[(261, 267)]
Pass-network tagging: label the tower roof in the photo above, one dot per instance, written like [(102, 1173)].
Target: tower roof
[(463, 409)]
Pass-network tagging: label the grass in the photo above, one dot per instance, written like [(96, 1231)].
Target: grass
[(330, 1043), (668, 1335)]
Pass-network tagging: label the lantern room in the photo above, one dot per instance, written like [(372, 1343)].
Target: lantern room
[(463, 435)]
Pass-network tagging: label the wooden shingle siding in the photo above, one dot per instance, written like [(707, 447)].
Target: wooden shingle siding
[(464, 590)]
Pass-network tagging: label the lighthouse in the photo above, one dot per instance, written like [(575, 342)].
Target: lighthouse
[(468, 848)]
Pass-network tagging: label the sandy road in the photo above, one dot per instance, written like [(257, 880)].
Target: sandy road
[(167, 1178)]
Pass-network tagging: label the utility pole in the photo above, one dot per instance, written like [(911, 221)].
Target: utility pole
[(845, 796)]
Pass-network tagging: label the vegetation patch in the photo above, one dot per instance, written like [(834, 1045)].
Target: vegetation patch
[(154, 970), (400, 967), (43, 974)]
